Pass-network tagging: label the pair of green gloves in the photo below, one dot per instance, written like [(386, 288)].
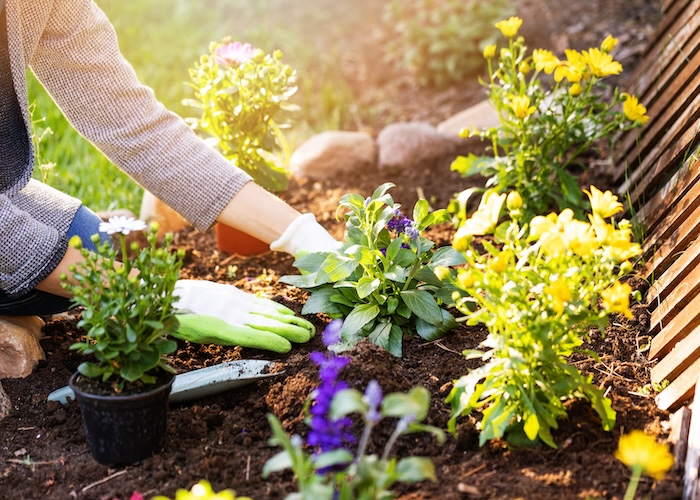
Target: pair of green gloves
[(217, 313)]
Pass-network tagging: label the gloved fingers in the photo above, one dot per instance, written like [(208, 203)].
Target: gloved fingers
[(204, 329), (291, 327)]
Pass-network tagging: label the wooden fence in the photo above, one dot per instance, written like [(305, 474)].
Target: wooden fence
[(658, 174)]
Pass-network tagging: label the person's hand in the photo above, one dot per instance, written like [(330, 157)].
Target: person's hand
[(217, 313), (304, 235)]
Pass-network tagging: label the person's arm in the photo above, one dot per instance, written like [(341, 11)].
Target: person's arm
[(52, 283)]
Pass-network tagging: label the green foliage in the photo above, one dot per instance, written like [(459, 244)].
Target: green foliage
[(241, 92), (381, 281), (546, 126), (341, 475), (127, 316), (440, 41), (539, 288)]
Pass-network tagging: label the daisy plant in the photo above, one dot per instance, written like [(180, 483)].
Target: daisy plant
[(127, 304), (381, 280), (552, 112), (242, 94), (539, 287), (643, 455)]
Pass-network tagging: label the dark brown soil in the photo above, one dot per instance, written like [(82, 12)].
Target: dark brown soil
[(224, 438)]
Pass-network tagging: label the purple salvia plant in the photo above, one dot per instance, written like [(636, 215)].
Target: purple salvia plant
[(328, 434)]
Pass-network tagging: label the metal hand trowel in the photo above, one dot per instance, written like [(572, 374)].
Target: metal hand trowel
[(203, 382)]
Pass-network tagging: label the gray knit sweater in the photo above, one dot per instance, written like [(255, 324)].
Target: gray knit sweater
[(72, 49)]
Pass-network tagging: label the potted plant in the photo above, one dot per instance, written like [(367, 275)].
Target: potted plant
[(127, 315), (241, 92)]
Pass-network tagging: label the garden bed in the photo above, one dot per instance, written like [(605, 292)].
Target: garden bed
[(224, 438)]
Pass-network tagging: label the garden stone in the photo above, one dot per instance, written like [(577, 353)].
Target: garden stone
[(412, 145), (330, 153), (19, 345), (5, 403), (481, 116), (154, 210)]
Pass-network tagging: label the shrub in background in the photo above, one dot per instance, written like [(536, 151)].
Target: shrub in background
[(440, 41), (242, 92)]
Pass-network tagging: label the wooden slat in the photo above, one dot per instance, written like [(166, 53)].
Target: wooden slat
[(672, 191), (665, 109), (676, 330), (678, 298), (675, 277), (683, 354), (681, 137), (673, 241), (680, 390)]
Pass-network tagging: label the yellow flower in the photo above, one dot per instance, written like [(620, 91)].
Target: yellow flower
[(637, 450), (581, 238), (633, 109), (489, 51), (550, 231), (520, 104), (601, 63), (203, 491), (575, 89), (604, 204), (617, 298), (524, 67), (560, 294), (484, 220), (510, 27), (545, 61), (608, 44), (465, 279)]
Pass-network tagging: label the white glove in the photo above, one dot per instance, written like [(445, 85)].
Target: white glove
[(218, 313), (304, 235)]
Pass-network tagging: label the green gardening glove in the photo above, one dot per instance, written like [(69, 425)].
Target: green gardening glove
[(216, 313)]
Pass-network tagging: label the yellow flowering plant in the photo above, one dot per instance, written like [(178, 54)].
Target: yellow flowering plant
[(539, 287), (552, 111), (643, 455)]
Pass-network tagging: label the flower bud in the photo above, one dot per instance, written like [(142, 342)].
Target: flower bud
[(575, 89), (465, 279), (76, 242), (514, 201), (442, 273), (524, 67), (626, 267), (154, 227), (489, 51), (499, 264)]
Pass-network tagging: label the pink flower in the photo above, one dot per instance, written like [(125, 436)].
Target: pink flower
[(233, 54), (136, 496)]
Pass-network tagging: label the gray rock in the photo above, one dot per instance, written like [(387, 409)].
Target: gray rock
[(330, 153), (481, 116), (414, 144)]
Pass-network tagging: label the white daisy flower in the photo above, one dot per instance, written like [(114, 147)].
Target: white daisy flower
[(122, 224)]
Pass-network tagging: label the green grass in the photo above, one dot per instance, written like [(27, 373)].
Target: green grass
[(163, 38)]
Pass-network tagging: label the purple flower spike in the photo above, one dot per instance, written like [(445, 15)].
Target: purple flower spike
[(373, 396), (331, 335)]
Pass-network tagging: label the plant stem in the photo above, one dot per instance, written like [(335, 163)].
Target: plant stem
[(634, 482)]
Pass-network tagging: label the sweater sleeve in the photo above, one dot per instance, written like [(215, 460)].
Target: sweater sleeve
[(79, 63), (30, 249)]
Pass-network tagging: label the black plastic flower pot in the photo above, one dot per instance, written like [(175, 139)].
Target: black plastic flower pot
[(127, 427)]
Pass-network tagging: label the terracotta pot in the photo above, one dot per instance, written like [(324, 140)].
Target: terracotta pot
[(124, 428), (233, 241)]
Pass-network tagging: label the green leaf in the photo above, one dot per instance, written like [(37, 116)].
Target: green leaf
[(420, 211), (414, 469), (423, 305), (347, 401), (531, 426), (359, 317), (415, 402), (337, 267), (281, 461), (333, 458), (381, 336), (446, 256), (433, 332), (320, 302), (470, 165), (366, 285)]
